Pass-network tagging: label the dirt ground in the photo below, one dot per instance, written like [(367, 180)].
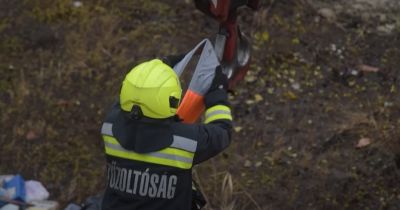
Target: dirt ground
[(316, 119)]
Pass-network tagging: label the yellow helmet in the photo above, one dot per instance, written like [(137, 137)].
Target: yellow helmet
[(154, 87)]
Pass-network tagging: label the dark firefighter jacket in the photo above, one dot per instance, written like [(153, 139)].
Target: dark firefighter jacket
[(149, 162)]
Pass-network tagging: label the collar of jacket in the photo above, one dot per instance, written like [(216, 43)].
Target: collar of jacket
[(143, 135)]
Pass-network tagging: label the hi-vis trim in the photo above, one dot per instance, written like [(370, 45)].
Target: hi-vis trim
[(106, 129), (184, 143), (155, 154), (168, 156), (179, 142), (218, 112)]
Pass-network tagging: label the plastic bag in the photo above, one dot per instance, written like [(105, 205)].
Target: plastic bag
[(35, 191)]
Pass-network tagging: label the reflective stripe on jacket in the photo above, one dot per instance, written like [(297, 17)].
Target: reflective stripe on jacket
[(159, 179)]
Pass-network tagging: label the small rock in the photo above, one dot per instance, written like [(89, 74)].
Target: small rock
[(258, 164), (363, 142), (291, 95), (258, 98), (317, 19), (77, 4), (388, 104), (296, 86), (247, 163), (386, 29), (238, 129), (382, 17), (268, 118), (366, 17), (31, 135), (367, 68), (249, 102), (358, 7), (338, 7), (250, 78), (354, 72), (333, 47), (327, 13)]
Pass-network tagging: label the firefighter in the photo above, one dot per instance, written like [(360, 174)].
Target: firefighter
[(150, 152)]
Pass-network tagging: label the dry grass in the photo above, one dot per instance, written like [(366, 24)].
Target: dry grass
[(61, 66)]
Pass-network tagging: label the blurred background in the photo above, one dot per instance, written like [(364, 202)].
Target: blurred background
[(316, 118)]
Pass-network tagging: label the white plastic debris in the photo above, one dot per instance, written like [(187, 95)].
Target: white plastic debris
[(4, 178), (35, 191), (10, 207), (73, 206)]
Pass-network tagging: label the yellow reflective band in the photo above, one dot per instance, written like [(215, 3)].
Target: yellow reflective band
[(178, 152), (169, 156), (110, 140), (218, 117), (148, 159), (171, 151), (218, 112), (218, 108)]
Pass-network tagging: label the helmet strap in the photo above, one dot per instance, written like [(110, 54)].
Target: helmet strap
[(173, 102), (136, 113)]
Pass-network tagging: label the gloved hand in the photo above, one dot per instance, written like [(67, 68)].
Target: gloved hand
[(172, 60), (220, 80), (217, 94)]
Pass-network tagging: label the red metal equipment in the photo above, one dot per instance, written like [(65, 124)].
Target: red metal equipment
[(231, 46)]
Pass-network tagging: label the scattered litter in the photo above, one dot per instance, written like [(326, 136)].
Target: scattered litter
[(10, 207), (3, 178), (247, 163), (93, 202), (35, 191), (363, 142), (73, 206), (30, 195), (14, 187)]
